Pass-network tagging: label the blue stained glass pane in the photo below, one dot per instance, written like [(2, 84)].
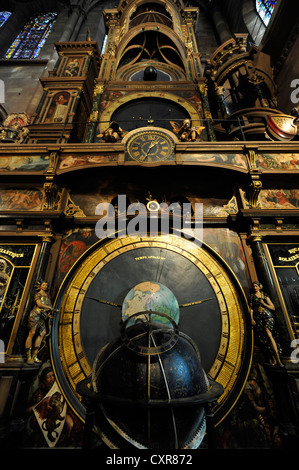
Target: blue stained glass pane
[(265, 9), (4, 15), (30, 40)]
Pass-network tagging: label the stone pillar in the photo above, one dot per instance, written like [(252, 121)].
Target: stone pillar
[(221, 26), (71, 24)]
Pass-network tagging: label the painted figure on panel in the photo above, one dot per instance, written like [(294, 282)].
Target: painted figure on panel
[(50, 420), (37, 321), (253, 423), (58, 108), (72, 68), (261, 308)]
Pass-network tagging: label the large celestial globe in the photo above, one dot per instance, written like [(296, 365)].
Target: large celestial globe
[(149, 382)]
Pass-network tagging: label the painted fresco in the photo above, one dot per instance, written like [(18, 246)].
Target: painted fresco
[(22, 163), (74, 243), (69, 162), (227, 244), (21, 199), (275, 199), (237, 159), (279, 198), (281, 161), (253, 423)]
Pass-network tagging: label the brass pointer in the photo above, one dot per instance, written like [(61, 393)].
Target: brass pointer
[(148, 150), (189, 304), (196, 302), (105, 302)]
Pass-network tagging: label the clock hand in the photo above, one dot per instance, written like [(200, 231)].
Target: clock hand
[(196, 302), (148, 150), (105, 302)]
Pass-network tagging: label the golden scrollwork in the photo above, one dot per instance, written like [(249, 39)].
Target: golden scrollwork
[(98, 90), (94, 116), (51, 192), (254, 191)]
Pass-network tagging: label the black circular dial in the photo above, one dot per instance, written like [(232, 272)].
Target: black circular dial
[(150, 146), (211, 309)]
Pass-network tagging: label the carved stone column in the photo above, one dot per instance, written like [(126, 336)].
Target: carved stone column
[(221, 26), (74, 18)]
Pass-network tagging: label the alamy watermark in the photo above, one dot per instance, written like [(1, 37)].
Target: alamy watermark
[(295, 94), (2, 92), (153, 219), (2, 351), (295, 352)]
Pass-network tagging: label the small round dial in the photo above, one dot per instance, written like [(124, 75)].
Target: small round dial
[(150, 146)]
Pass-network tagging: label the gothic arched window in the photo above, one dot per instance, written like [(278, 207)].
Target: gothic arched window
[(30, 40), (265, 9), (4, 15)]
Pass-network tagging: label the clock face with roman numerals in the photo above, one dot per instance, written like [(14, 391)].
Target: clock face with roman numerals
[(150, 145), (212, 309)]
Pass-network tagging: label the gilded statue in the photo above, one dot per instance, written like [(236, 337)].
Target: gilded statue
[(37, 321)]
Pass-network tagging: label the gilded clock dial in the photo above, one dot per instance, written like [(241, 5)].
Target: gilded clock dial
[(211, 311), (150, 146)]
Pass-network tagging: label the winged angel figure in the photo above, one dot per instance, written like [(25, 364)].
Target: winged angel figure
[(186, 132)]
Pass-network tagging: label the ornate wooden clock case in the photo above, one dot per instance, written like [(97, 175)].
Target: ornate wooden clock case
[(213, 308)]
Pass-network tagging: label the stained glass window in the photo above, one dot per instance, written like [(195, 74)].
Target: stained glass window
[(104, 44), (265, 9), (4, 15), (31, 39)]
